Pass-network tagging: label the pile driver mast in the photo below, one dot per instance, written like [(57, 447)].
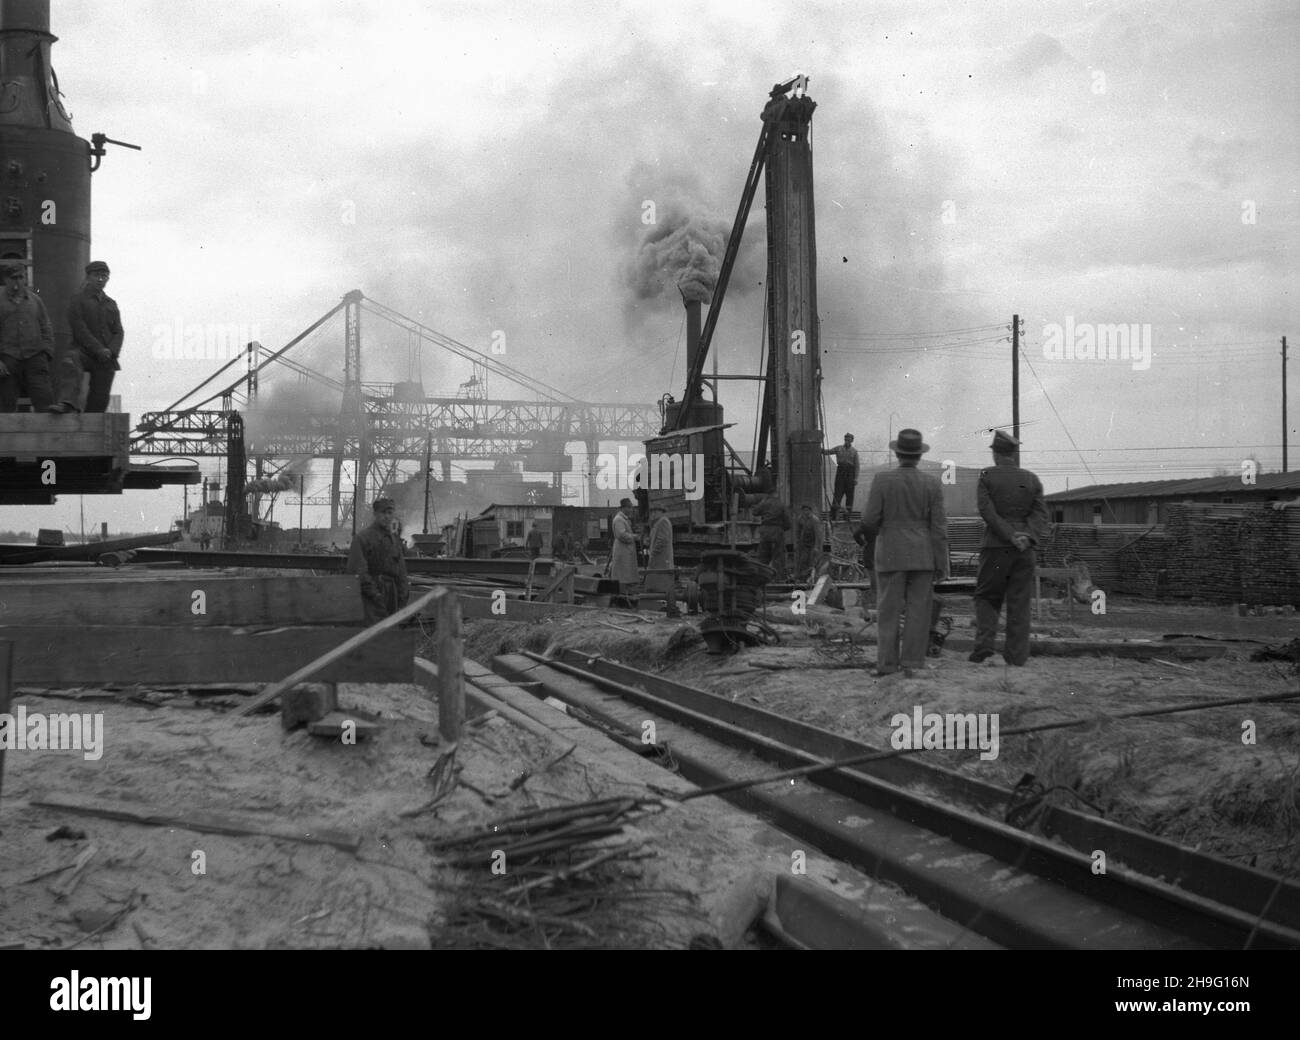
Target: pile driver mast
[(789, 428)]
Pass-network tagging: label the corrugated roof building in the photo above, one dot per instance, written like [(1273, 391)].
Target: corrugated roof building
[(1148, 501)]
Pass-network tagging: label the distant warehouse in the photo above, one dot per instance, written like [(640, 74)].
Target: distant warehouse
[(1148, 502)]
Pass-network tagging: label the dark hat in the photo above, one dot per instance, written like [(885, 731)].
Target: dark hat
[(97, 265), (848, 436), (909, 443), (805, 506), (625, 503), (1004, 443), (382, 504), (12, 268)]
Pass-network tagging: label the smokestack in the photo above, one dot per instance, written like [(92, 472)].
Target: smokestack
[(692, 330)]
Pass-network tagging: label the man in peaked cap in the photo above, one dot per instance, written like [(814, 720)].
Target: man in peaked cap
[(26, 343), (905, 512), (1015, 518), (377, 557), (96, 342)]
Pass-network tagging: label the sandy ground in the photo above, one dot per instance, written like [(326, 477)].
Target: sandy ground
[(1188, 777), (182, 755)]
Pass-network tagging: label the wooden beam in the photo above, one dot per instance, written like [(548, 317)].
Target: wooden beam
[(451, 672), (205, 823), (367, 638), (515, 609), (197, 598), (563, 576), (46, 436), (63, 656)]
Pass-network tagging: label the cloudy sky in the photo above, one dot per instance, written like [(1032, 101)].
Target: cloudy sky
[(483, 167)]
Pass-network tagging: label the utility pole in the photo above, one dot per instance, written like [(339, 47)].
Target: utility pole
[(1015, 380), (1284, 428), (302, 488)]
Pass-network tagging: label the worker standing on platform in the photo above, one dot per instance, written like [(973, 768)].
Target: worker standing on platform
[(847, 466), (97, 340), (905, 510), (378, 558), (26, 344), (1015, 518)]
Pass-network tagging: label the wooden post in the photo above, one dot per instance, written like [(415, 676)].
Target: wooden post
[(304, 673), (6, 685), (451, 670)]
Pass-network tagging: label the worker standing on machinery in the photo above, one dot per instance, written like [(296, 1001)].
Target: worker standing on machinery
[(847, 466), (26, 344), (96, 343), (378, 558)]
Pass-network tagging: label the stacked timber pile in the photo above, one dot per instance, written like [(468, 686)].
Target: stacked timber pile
[(1240, 553), (1144, 565), (1098, 546)]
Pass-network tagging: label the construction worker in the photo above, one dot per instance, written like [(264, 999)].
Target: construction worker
[(26, 344), (534, 542), (377, 557), (905, 510), (774, 521), (807, 542), (847, 466), (96, 342), (1015, 521), (622, 561), (660, 569)]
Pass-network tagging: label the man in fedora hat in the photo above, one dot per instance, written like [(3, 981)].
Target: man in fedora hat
[(1015, 521), (377, 556), (96, 343), (847, 466), (623, 560), (905, 513)]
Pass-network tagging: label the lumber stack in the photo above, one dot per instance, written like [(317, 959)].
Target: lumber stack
[(1237, 553)]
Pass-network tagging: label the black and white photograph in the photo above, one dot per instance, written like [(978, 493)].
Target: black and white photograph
[(635, 476)]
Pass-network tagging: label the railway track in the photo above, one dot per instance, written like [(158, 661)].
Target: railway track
[(937, 834)]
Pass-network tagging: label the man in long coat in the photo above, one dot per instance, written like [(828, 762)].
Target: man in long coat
[(377, 556), (622, 562), (905, 512), (660, 570)]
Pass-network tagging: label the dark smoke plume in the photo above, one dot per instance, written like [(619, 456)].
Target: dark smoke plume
[(681, 251)]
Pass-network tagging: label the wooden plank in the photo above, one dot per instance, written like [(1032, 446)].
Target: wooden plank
[(62, 656), (205, 823), (515, 609), (46, 436), (451, 684), (563, 576), (224, 600), (377, 635)]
